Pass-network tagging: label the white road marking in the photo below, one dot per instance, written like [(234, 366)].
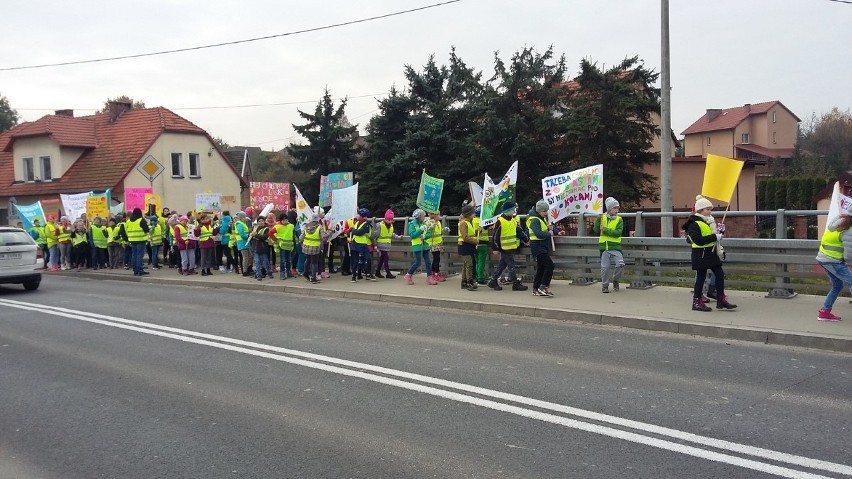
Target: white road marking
[(259, 350)]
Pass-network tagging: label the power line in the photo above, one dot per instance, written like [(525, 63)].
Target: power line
[(235, 42), (222, 107)]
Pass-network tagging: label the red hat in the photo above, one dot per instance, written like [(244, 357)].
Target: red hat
[(249, 211)]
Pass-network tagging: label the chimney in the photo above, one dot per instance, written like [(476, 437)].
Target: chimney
[(713, 113), (747, 107), (68, 113), (116, 108)]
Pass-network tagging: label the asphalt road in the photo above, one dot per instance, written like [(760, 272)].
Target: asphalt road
[(133, 380)]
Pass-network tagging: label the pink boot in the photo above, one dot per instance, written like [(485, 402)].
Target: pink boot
[(408, 279), (430, 280)]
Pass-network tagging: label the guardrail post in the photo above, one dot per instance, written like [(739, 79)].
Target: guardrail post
[(585, 276), (639, 232), (782, 288)]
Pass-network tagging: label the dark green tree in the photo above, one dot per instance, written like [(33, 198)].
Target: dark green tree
[(611, 122), (8, 115), (524, 119), (330, 143)]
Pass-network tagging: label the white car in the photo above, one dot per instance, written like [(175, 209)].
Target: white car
[(20, 258)]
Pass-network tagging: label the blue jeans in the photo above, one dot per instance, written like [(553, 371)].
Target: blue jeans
[(838, 274), (137, 253), (155, 255), (54, 256), (261, 263), (426, 257), (285, 264)]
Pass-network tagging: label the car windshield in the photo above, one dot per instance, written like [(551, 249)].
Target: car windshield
[(14, 238)]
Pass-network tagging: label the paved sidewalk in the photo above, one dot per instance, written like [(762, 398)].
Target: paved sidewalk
[(769, 320)]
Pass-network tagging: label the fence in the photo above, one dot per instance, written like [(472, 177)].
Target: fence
[(782, 267)]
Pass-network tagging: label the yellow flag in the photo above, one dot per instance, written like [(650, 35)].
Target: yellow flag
[(720, 177)]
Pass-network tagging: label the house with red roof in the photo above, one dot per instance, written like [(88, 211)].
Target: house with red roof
[(760, 132), (62, 154)]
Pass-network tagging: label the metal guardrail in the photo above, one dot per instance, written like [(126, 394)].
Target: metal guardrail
[(780, 266)]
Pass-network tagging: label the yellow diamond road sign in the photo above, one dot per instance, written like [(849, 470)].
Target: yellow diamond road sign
[(150, 167)]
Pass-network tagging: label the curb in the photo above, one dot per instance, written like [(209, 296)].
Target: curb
[(766, 336)]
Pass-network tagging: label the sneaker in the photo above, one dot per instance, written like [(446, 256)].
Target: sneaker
[(409, 280), (389, 275), (472, 286), (354, 279), (616, 286), (370, 277), (439, 277), (324, 275), (259, 278), (546, 290), (518, 286), (430, 280), (538, 292), (505, 281), (314, 281), (826, 315), (493, 285), (605, 288)]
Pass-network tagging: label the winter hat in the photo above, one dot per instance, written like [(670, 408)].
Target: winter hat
[(541, 206), (363, 212), (314, 218), (240, 215), (249, 211), (389, 215), (509, 207), (418, 213), (611, 203), (701, 203), (150, 218), (184, 218), (467, 210)]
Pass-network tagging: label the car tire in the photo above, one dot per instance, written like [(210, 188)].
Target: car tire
[(31, 285)]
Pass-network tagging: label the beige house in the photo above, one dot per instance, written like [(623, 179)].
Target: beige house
[(61, 154)]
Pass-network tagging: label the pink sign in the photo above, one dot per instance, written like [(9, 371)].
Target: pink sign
[(265, 192), (135, 198)]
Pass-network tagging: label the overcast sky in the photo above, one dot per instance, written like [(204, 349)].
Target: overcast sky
[(724, 53)]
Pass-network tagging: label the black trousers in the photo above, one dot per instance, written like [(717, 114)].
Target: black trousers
[(543, 271)]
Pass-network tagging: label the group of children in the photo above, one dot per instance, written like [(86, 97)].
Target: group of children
[(250, 246)]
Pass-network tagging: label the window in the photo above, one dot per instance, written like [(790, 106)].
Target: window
[(773, 116), (46, 175), (774, 139), (194, 165), (708, 141), (745, 139), (29, 173), (177, 165)]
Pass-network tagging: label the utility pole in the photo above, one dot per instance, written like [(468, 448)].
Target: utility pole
[(665, 129)]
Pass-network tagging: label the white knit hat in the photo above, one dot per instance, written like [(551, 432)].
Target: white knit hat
[(701, 203)]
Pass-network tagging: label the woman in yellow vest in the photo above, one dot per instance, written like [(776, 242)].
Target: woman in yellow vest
[(704, 255), (64, 239), (135, 232), (38, 234), (80, 244), (835, 254)]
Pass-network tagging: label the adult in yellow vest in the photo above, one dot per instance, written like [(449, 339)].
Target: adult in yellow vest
[(64, 239), (507, 239), (100, 242), (704, 256), (835, 254), (38, 234), (135, 232), (609, 227), (51, 232)]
